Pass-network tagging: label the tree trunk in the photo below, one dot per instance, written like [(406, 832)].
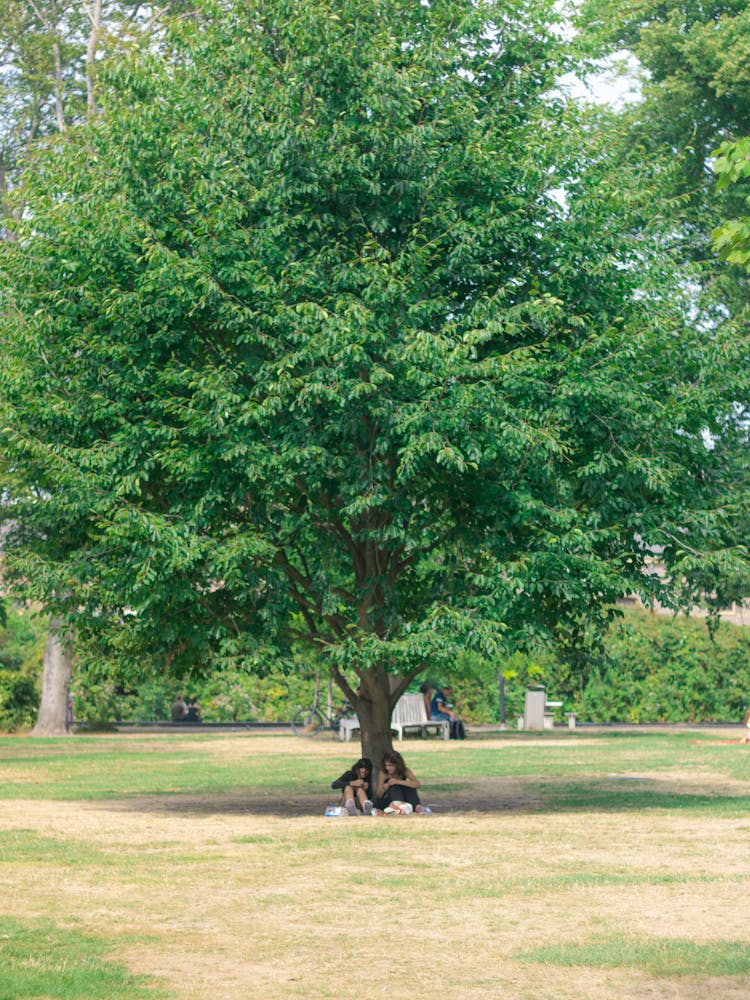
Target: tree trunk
[(374, 704), (53, 710), (59, 107), (94, 11)]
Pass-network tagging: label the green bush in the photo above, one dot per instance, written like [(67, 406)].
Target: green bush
[(652, 669), (19, 700), (658, 669), (222, 697), (22, 638)]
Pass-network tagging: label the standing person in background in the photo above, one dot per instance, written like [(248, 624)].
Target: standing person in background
[(441, 708), (746, 723)]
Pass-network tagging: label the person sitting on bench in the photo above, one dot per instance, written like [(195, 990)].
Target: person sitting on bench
[(440, 708), (193, 712), (179, 709)]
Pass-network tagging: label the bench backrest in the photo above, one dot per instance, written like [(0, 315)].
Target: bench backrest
[(409, 710)]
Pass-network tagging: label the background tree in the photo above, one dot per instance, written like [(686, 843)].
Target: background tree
[(696, 88), (325, 356), (696, 95), (42, 42), (695, 85), (49, 50)]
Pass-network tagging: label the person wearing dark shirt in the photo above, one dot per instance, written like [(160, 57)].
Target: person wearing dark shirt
[(179, 709), (356, 787), (441, 708), (193, 712), (397, 783)]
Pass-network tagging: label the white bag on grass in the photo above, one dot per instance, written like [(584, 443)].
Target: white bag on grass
[(399, 809)]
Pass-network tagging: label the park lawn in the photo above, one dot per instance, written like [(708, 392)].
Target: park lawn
[(201, 866)]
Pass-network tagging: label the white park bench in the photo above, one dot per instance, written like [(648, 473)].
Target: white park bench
[(347, 727), (549, 713), (409, 715)]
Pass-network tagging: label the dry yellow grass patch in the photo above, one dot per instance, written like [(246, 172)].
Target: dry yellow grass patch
[(238, 902)]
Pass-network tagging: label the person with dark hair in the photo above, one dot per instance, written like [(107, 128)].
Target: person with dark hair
[(397, 783), (193, 713), (356, 787), (441, 708), (179, 709)]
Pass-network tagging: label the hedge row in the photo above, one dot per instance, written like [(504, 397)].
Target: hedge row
[(652, 669)]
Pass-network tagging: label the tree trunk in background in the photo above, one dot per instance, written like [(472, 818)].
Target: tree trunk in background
[(94, 11), (53, 710)]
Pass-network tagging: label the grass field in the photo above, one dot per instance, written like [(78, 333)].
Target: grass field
[(176, 866)]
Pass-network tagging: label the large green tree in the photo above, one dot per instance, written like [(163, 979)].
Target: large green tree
[(49, 56), (340, 327)]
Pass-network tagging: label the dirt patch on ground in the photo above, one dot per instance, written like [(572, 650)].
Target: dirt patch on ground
[(501, 796), (482, 796)]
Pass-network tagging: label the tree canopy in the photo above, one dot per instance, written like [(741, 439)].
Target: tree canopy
[(697, 62), (732, 167), (695, 84), (340, 326)]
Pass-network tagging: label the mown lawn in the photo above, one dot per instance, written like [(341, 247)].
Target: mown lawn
[(195, 866)]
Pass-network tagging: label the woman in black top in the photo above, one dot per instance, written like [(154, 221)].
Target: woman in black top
[(193, 713), (356, 787), (397, 783)]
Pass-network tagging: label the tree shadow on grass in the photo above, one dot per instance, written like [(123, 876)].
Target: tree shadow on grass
[(489, 796)]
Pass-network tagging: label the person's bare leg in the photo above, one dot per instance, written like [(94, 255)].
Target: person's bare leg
[(349, 804), (361, 798)]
